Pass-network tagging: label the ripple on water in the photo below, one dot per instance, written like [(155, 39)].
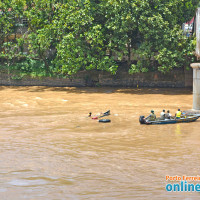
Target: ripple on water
[(38, 181), (3, 189), (24, 182)]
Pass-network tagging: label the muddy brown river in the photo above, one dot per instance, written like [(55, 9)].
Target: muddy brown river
[(51, 150)]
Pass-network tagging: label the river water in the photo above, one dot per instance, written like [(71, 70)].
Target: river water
[(50, 149)]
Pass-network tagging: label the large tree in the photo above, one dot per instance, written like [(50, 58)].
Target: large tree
[(68, 36)]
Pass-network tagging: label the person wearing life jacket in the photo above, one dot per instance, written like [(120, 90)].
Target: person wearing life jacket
[(152, 116), (178, 114)]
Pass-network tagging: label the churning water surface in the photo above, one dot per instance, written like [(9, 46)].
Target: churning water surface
[(50, 149)]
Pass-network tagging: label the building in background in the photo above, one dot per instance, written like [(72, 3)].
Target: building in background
[(188, 27)]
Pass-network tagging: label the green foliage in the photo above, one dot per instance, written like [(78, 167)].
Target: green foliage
[(64, 37), (28, 67)]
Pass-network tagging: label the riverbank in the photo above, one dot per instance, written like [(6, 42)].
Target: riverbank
[(178, 78)]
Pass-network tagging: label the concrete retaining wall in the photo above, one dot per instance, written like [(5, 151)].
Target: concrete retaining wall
[(178, 78)]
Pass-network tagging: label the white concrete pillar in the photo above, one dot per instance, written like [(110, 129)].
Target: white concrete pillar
[(196, 85)]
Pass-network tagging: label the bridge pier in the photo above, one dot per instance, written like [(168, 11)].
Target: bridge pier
[(196, 85)]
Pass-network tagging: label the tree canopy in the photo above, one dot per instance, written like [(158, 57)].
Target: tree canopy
[(67, 36)]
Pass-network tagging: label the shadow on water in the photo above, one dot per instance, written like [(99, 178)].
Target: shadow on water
[(106, 90)]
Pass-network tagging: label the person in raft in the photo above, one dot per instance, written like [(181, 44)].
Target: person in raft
[(152, 116), (162, 115), (178, 114), (168, 115), (100, 115), (92, 117)]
